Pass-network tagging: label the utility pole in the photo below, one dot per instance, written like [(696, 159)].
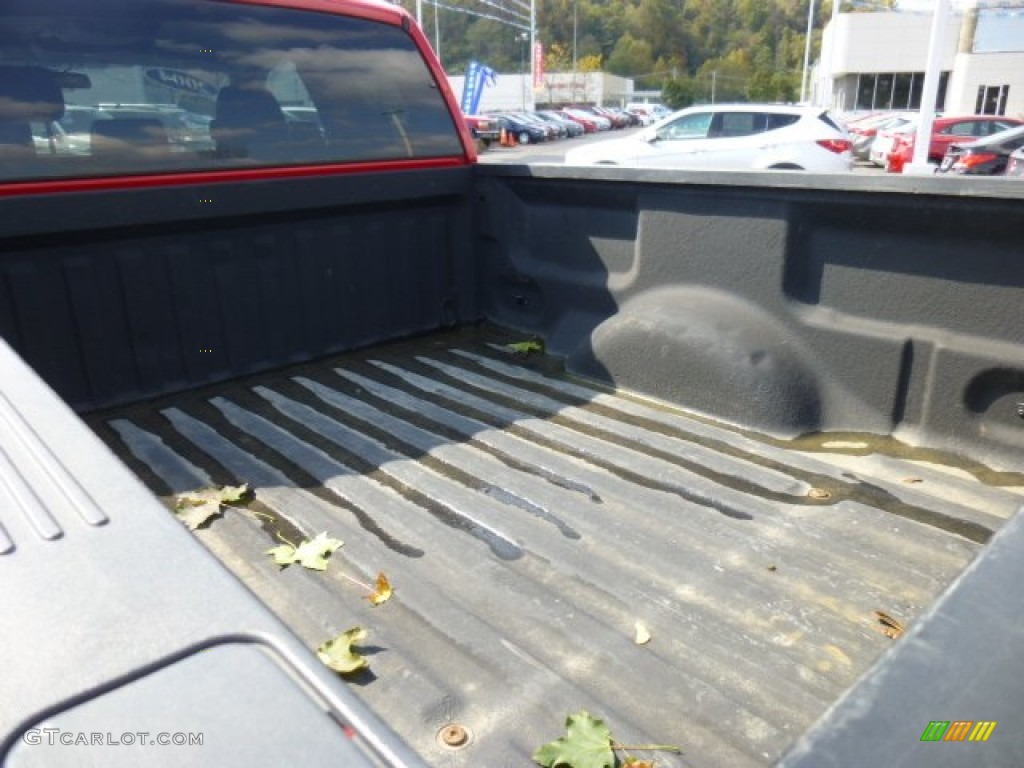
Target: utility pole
[(714, 78)]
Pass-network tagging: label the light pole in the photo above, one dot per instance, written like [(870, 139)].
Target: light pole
[(574, 51), (523, 38), (533, 51), (929, 91), (807, 51)]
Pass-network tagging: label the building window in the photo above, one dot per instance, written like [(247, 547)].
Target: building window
[(902, 86), (883, 90), (991, 100), (865, 92), (897, 90)]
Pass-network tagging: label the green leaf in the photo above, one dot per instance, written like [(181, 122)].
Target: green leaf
[(196, 515), (284, 555), (312, 553), (338, 654), (233, 494), (587, 744), (526, 347), (195, 508)]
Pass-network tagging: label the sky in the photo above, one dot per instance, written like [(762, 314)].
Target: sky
[(1000, 24), (928, 5)]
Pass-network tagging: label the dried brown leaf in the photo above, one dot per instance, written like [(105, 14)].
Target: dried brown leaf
[(382, 590), (889, 626)]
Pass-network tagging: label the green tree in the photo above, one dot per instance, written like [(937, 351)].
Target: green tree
[(727, 78), (631, 57), (659, 23), (772, 87), (679, 92)]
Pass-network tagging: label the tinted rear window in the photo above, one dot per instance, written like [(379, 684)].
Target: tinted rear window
[(830, 121), (776, 120), (738, 124), (131, 86)]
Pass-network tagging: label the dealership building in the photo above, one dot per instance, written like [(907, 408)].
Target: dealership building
[(876, 61), (515, 91)]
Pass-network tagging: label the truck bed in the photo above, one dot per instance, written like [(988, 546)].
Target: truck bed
[(528, 520)]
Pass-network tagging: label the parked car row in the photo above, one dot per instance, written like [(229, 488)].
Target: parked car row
[(966, 145), (649, 113), (526, 127), (73, 133), (988, 156), (864, 130)]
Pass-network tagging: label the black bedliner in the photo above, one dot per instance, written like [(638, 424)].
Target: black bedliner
[(528, 520)]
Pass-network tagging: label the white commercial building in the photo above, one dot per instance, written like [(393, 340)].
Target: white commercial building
[(514, 91), (876, 61)]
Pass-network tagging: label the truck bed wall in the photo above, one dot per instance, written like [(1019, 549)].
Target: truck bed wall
[(786, 303), (118, 295)]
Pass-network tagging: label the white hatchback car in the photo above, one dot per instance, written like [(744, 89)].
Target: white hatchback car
[(730, 136)]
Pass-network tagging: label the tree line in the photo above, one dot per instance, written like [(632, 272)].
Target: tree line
[(692, 50)]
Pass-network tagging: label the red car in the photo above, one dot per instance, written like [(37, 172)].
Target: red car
[(863, 131), (589, 125), (483, 128), (946, 131)]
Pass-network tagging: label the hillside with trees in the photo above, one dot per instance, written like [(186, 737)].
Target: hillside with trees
[(694, 50)]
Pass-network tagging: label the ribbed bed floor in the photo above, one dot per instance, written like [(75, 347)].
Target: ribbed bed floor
[(527, 521)]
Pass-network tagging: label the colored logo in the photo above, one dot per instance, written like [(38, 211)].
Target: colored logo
[(958, 730)]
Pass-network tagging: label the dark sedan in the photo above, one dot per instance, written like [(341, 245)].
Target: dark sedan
[(522, 130), (573, 129), (984, 157)]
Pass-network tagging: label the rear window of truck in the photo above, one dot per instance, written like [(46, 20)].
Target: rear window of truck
[(114, 87)]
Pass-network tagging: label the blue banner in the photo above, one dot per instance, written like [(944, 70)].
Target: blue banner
[(477, 77), (470, 87)]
